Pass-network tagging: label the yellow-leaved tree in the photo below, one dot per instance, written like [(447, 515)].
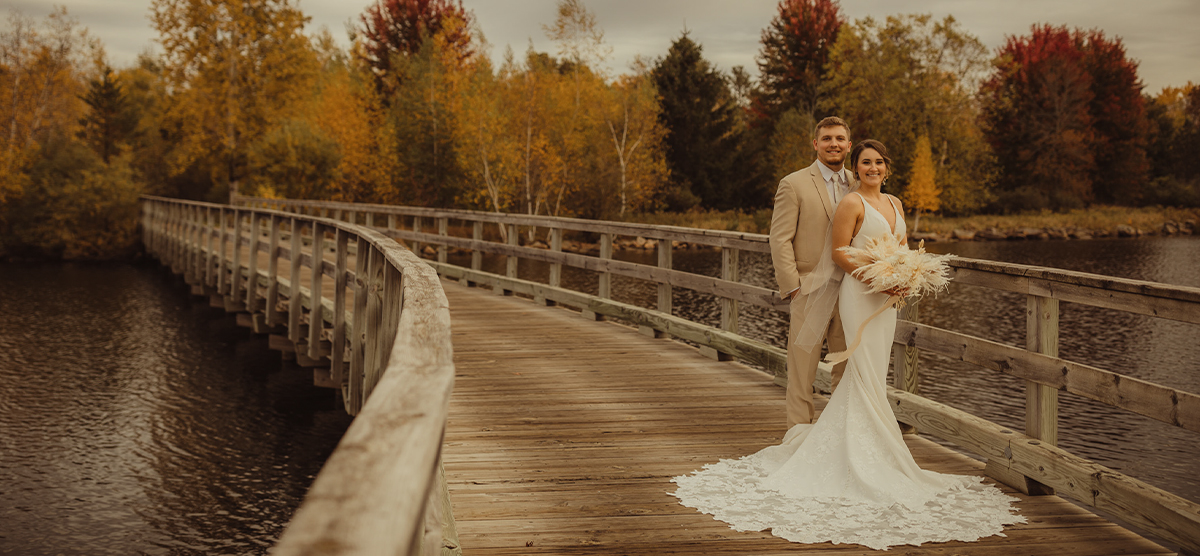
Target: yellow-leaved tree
[(922, 193), (488, 148), (637, 137), (41, 86), (349, 109), (238, 68)]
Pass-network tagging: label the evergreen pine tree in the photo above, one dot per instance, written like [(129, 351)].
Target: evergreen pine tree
[(698, 111), (110, 119)]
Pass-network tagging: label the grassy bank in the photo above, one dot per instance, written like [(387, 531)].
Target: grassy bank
[(1096, 218)]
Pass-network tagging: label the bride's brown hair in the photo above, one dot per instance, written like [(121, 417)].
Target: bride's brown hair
[(857, 150)]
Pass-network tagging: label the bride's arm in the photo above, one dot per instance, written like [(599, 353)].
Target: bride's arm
[(846, 221)]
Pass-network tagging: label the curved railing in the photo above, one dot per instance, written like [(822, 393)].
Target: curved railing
[(351, 298), (1030, 462)]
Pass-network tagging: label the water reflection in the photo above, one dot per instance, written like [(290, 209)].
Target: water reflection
[(135, 420), (1157, 350)]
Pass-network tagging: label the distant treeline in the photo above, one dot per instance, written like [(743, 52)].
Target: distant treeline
[(415, 112)]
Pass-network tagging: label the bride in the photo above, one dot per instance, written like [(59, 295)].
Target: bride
[(849, 477)]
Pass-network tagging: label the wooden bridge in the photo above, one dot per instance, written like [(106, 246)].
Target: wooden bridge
[(495, 420)]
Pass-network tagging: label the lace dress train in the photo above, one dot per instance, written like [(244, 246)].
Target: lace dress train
[(849, 478)]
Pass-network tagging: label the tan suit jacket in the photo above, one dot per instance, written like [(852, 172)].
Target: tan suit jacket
[(799, 224), (799, 230)]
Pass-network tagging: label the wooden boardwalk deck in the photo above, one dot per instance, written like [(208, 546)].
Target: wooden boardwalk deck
[(563, 436)]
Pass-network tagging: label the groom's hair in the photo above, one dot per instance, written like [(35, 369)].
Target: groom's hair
[(831, 121)]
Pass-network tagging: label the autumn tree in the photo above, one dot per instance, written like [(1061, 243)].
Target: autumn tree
[(42, 67), (348, 109), (795, 51), (1058, 102), (539, 105), (1172, 118), (237, 68), (633, 124), (909, 76), (423, 116), (393, 30), (923, 193), (58, 198), (488, 144), (792, 64), (699, 114), (1118, 119), (582, 53), (791, 144)]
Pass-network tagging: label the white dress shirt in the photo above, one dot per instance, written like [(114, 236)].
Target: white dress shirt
[(836, 189)]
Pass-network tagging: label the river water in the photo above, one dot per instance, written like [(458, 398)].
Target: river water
[(134, 419)]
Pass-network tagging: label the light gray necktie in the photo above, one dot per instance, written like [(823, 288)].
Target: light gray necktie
[(839, 188)]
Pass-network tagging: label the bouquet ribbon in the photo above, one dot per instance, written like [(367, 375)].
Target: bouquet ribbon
[(839, 356)]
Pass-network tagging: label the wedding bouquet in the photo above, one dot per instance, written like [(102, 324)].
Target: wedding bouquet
[(887, 265)]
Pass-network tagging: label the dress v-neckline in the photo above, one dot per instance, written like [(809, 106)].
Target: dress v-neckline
[(892, 227)]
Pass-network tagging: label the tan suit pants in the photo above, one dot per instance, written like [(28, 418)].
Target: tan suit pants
[(802, 365)]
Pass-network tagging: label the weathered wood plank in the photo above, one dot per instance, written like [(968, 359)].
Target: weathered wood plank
[(1168, 405)]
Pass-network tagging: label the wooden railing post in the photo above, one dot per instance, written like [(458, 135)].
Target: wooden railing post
[(374, 320), (729, 307), (905, 372), (210, 258), (222, 264), (358, 344), (235, 280), (337, 356), (476, 255), (294, 307), (664, 290), (190, 235), (197, 253), (252, 285), (604, 285), (316, 321), (730, 272), (416, 245), (555, 280), (443, 224), (510, 261), (1041, 401), (273, 274), (606, 253)]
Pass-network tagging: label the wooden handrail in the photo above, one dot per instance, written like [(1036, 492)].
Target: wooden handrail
[(381, 491), (1030, 462)]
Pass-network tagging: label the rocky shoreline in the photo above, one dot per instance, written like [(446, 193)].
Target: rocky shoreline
[(1169, 228)]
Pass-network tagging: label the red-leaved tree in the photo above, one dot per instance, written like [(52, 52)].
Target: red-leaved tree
[(795, 49), (398, 27), (1119, 120), (1063, 112)]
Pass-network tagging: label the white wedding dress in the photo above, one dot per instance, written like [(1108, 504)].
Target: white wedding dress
[(849, 478)]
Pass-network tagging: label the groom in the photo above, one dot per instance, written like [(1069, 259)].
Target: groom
[(804, 207)]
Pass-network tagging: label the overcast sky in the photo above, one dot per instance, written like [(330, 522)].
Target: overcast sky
[(1162, 35)]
